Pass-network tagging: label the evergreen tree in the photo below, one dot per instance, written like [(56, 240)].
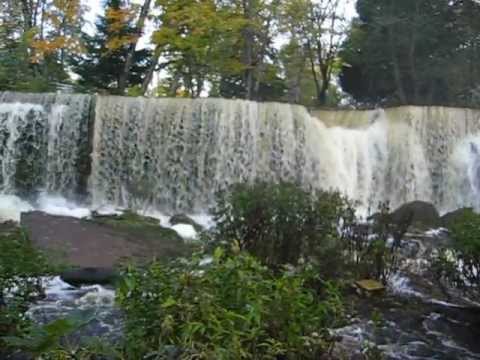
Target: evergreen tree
[(102, 64), (419, 52)]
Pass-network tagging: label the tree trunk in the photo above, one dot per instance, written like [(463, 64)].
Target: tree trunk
[(315, 78), (151, 70), (322, 96), (248, 38), (396, 68), (411, 55), (123, 80), (27, 12)]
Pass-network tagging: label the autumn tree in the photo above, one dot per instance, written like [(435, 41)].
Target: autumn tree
[(132, 44), (194, 43), (102, 65), (59, 31), (39, 35)]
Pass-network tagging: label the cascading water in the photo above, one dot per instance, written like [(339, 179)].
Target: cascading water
[(174, 154), (43, 142)]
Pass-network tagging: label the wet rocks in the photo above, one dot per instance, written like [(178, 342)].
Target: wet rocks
[(419, 214), (450, 218), (89, 276)]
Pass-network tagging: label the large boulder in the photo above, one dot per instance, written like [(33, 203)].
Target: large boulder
[(419, 215), (103, 241), (89, 276), (452, 217)]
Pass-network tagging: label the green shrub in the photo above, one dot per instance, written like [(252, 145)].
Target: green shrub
[(233, 308), (459, 264), (282, 223), (21, 266), (44, 340), (371, 247)]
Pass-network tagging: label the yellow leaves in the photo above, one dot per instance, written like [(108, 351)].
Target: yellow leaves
[(43, 48), (63, 19), (118, 42), (119, 18), (63, 12)]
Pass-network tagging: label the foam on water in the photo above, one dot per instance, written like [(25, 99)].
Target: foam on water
[(11, 207), (400, 284), (57, 205), (186, 231)]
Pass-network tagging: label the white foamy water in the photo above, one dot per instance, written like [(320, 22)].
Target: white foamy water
[(186, 231), (400, 284), (173, 155), (57, 205), (11, 207)]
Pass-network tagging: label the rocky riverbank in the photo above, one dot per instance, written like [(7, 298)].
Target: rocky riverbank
[(415, 318)]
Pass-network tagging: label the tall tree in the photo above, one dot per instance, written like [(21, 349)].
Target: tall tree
[(300, 84), (39, 35), (102, 65), (412, 52), (194, 41), (318, 27), (138, 32), (254, 49)]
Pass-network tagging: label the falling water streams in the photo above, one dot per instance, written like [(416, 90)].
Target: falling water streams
[(173, 155)]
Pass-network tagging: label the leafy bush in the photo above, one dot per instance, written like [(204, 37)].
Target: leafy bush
[(282, 223), (459, 264), (21, 266), (232, 308), (372, 247), (44, 340)]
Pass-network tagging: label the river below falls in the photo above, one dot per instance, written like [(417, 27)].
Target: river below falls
[(407, 323), (402, 324)]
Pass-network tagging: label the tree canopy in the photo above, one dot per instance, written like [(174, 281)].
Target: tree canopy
[(413, 52), (299, 51)]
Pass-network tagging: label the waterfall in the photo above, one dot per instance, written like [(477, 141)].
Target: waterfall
[(175, 154), (43, 142)]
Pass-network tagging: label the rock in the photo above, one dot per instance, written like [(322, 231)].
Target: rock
[(102, 242), (89, 276), (184, 219), (420, 215), (8, 228), (450, 218), (369, 287), (139, 226)]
